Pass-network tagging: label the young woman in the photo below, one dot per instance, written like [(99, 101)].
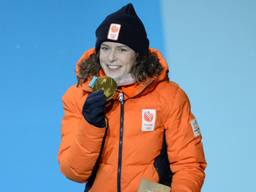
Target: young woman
[(145, 130)]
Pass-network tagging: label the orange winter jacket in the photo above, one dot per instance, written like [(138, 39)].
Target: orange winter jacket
[(150, 108)]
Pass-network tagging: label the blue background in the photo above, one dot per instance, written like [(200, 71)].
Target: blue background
[(210, 47)]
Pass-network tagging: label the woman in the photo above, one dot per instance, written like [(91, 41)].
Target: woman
[(116, 143)]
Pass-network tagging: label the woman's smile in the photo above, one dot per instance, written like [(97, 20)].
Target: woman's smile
[(114, 67)]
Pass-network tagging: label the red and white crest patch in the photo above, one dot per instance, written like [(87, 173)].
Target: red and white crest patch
[(113, 32), (148, 119)]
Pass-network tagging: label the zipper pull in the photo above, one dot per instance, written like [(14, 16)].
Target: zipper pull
[(121, 97)]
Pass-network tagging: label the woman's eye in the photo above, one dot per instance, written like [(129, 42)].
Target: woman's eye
[(123, 50), (104, 48)]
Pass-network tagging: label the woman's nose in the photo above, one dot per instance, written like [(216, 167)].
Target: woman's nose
[(112, 55)]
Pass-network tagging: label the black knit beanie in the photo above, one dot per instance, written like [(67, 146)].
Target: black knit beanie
[(123, 26)]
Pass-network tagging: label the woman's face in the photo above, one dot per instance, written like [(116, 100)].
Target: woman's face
[(116, 59)]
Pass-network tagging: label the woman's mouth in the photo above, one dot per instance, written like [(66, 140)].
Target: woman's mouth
[(113, 67)]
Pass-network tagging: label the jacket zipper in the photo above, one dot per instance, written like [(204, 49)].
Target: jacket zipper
[(120, 149)]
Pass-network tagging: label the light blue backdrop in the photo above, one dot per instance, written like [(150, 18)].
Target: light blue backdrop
[(211, 49), (40, 42)]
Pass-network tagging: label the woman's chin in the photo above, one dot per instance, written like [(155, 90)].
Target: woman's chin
[(114, 76)]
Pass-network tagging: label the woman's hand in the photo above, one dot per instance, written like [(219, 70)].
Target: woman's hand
[(94, 109)]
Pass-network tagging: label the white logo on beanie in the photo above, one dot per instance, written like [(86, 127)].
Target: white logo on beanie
[(113, 32)]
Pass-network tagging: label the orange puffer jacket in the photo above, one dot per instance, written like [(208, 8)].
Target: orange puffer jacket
[(150, 108)]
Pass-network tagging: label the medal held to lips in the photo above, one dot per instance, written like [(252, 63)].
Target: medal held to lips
[(107, 84)]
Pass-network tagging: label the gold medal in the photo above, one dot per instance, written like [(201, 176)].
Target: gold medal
[(107, 84)]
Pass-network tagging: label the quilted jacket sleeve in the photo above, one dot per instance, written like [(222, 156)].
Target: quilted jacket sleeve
[(185, 150), (80, 141)]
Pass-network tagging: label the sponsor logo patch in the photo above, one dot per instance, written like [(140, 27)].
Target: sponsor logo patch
[(195, 127), (148, 119), (113, 32)]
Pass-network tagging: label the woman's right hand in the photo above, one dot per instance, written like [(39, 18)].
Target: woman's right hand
[(94, 109)]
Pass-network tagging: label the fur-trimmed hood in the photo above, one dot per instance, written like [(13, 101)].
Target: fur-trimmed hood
[(137, 88)]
